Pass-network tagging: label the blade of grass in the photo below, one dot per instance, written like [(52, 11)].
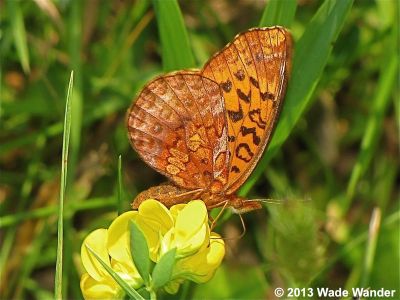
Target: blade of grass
[(75, 42), (278, 12), (119, 194), (18, 26), (98, 112), (390, 220), (69, 209), (23, 201), (310, 57), (176, 51), (132, 293), (63, 185), (387, 79), (40, 239), (127, 45), (371, 246)]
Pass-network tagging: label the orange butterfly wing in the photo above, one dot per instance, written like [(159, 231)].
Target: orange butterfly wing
[(252, 72), (178, 126), (206, 130)]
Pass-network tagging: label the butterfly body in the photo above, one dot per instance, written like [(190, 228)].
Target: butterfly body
[(170, 194), (206, 130)]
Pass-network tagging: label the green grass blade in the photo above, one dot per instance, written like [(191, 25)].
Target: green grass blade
[(176, 51), (20, 40), (43, 212), (373, 233), (119, 194), (310, 57), (391, 220), (388, 75), (75, 44), (131, 292), (63, 185), (278, 12)]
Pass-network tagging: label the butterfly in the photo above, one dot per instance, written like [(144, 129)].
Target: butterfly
[(205, 130)]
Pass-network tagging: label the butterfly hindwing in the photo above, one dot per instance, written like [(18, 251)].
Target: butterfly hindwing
[(178, 126)]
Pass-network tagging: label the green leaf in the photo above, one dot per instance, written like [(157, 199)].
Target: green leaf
[(140, 252), (126, 287), (278, 12), (18, 26), (176, 51), (162, 272), (310, 57), (63, 186)]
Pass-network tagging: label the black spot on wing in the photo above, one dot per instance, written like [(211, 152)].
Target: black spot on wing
[(235, 169), (240, 75), (236, 116), (231, 138), (267, 96), (245, 131), (254, 82), (243, 96), (255, 116), (226, 86), (243, 152)]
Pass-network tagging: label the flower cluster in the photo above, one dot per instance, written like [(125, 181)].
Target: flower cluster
[(184, 227)]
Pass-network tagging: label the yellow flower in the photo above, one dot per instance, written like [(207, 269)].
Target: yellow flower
[(183, 227), (154, 220), (190, 230), (199, 267), (97, 283), (199, 252)]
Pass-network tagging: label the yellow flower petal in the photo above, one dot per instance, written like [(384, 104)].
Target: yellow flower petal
[(191, 227), (167, 243), (118, 242), (104, 289), (190, 219), (201, 266), (154, 220), (194, 243), (175, 210), (96, 240), (156, 212), (172, 287), (128, 272)]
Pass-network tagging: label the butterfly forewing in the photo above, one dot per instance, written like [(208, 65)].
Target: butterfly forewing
[(252, 72)]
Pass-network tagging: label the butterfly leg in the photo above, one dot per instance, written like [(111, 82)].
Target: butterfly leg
[(214, 221)]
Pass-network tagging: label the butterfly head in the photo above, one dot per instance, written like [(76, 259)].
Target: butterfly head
[(241, 205)]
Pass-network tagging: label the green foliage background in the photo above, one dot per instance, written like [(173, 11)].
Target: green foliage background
[(333, 162)]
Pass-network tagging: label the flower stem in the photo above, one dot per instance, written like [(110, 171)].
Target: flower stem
[(153, 295)]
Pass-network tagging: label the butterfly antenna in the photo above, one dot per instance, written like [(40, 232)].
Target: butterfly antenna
[(275, 201), (269, 201)]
